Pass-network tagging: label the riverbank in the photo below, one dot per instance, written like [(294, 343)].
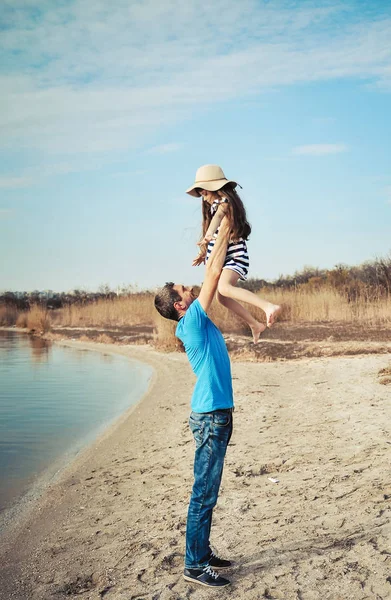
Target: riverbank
[(53, 404), (113, 525)]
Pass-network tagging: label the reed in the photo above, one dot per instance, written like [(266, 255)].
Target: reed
[(8, 315), (21, 320), (122, 311), (304, 304), (164, 335), (38, 318)]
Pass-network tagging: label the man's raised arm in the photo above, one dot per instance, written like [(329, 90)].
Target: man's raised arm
[(214, 266)]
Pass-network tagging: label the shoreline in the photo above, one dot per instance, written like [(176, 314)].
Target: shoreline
[(113, 524), (283, 342), (16, 516), (24, 504)]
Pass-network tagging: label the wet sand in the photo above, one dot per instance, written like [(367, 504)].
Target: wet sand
[(113, 525)]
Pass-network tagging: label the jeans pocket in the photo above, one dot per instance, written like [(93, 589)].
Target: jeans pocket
[(222, 419), (197, 429)]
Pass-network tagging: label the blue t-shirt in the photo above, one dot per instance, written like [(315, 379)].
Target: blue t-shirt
[(206, 350)]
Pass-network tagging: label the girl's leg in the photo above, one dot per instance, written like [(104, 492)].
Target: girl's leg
[(227, 287), (255, 326)]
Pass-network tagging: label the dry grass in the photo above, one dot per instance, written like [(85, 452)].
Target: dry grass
[(21, 320), (131, 310), (299, 305), (8, 316), (164, 337), (104, 339), (305, 304), (228, 322), (85, 338), (385, 376), (38, 318), (327, 304)]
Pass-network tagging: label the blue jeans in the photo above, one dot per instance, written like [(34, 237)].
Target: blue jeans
[(212, 432)]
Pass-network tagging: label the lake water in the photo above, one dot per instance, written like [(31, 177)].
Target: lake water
[(53, 401)]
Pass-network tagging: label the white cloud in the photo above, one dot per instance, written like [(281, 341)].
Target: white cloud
[(320, 149), (15, 182), (98, 78), (33, 175)]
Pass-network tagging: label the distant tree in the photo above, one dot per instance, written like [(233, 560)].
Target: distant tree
[(253, 284), (338, 276), (104, 289), (127, 289), (80, 296)]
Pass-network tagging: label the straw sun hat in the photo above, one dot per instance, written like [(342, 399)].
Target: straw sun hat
[(211, 178)]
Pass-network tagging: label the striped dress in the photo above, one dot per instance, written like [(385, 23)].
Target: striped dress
[(237, 258)]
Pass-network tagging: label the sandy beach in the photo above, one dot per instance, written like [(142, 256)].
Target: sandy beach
[(112, 526)]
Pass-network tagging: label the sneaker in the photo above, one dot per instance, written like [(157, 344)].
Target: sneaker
[(217, 562), (206, 577)]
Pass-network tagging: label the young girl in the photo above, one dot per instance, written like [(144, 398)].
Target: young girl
[(219, 200)]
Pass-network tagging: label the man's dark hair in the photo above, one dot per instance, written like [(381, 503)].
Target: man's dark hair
[(164, 301)]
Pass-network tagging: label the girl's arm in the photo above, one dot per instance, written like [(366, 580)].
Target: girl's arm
[(216, 221), (200, 259), (214, 266)]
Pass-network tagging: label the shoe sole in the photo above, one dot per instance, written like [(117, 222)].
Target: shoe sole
[(216, 587)]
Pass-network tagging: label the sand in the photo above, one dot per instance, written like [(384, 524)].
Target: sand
[(112, 526)]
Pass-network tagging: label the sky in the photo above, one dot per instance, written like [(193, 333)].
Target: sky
[(108, 109)]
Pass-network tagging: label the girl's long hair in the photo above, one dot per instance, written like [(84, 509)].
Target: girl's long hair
[(240, 227)]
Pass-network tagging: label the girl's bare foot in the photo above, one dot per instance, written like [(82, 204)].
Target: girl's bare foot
[(272, 314), (257, 330)]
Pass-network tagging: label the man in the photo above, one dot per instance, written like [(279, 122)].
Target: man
[(212, 408)]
